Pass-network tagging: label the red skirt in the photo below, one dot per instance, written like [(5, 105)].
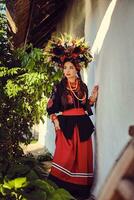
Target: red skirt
[(73, 159)]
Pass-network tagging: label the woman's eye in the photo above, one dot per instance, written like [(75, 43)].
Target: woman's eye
[(71, 67)]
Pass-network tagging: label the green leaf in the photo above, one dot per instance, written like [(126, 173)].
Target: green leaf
[(2, 190), (44, 186), (3, 71), (12, 89), (61, 194), (16, 183), (36, 195), (32, 175), (20, 182)]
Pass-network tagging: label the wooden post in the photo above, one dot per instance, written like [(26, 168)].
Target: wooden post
[(120, 183), (126, 189)]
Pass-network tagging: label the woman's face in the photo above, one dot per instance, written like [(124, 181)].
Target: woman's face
[(69, 70)]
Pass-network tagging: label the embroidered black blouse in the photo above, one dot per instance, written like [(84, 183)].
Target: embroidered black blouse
[(56, 104)]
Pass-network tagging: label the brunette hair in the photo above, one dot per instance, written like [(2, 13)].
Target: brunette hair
[(82, 85), (77, 66)]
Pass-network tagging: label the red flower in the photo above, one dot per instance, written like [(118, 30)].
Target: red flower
[(69, 99), (74, 55), (62, 58)]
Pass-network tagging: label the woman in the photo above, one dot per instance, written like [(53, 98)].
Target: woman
[(72, 166)]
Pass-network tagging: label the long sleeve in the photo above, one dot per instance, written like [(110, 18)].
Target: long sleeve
[(53, 105)]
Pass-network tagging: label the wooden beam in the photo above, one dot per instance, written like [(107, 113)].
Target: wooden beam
[(47, 26), (122, 168), (126, 189), (18, 15)]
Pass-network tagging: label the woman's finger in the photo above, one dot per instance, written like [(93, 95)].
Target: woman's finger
[(57, 128)]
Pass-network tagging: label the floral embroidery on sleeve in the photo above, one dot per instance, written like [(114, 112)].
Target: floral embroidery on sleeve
[(84, 101), (50, 103), (55, 89), (53, 105), (69, 99)]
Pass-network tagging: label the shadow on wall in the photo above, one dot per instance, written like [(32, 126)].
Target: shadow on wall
[(74, 20), (50, 137)]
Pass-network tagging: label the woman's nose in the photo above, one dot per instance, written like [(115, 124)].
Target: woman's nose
[(67, 70)]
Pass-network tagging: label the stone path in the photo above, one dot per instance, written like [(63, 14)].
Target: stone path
[(36, 149)]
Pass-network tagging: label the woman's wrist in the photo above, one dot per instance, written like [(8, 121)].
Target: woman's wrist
[(55, 121), (91, 100), (53, 117)]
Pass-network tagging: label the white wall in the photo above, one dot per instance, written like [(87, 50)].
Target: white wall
[(109, 28)]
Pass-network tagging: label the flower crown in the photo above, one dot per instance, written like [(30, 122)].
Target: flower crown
[(59, 49)]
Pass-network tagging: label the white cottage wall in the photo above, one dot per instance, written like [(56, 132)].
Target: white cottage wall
[(109, 27)]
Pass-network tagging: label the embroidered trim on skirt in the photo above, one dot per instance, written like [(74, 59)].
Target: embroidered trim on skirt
[(73, 159)]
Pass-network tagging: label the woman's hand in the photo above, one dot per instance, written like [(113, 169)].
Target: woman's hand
[(55, 121), (94, 95), (56, 124)]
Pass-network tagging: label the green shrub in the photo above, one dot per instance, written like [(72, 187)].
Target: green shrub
[(25, 83), (24, 180)]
